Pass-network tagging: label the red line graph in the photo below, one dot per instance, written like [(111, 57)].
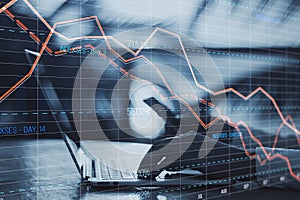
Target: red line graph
[(286, 121)]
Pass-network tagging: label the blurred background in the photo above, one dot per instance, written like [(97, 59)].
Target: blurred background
[(252, 43)]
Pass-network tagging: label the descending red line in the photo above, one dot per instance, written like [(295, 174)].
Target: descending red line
[(136, 55)]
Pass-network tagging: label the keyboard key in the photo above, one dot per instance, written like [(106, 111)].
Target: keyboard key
[(104, 171), (114, 170), (126, 173)]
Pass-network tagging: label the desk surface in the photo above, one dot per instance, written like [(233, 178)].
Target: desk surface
[(43, 169)]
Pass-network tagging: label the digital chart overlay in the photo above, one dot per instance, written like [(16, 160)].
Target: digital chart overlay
[(286, 120)]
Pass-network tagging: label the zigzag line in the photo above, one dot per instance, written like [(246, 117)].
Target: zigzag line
[(135, 54)]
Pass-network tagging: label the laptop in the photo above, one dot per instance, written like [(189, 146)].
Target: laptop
[(108, 163)]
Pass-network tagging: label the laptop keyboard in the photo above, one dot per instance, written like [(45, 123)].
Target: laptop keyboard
[(110, 170)]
